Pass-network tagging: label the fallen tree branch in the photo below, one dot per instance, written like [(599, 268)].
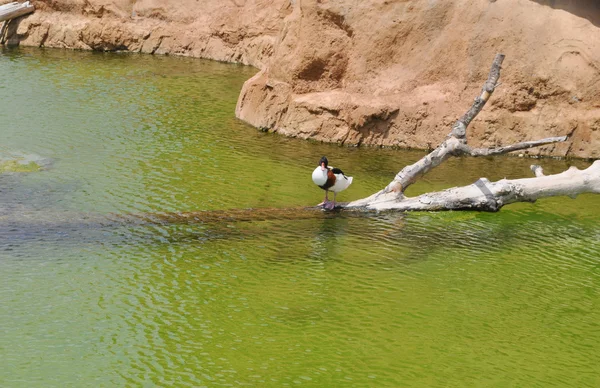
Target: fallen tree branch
[(450, 147), (14, 10), (491, 196), (392, 196)]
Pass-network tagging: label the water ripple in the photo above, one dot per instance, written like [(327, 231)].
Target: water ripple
[(95, 292)]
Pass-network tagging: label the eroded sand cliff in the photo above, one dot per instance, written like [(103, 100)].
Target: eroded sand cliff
[(383, 72), (243, 31)]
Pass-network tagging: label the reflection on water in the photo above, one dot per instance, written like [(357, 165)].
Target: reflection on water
[(423, 299)]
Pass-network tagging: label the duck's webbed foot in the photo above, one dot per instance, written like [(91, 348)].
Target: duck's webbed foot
[(331, 204)]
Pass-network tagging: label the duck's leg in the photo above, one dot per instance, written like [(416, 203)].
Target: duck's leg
[(331, 205), (325, 201)]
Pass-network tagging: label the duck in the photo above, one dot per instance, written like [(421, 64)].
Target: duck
[(329, 178)]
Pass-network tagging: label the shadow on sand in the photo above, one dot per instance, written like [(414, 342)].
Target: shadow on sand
[(586, 9)]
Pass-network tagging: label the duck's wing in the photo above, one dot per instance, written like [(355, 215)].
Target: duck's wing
[(337, 171)]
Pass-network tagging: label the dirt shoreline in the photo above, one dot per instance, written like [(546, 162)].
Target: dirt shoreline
[(389, 73)]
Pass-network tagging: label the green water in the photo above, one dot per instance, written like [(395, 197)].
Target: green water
[(439, 300)]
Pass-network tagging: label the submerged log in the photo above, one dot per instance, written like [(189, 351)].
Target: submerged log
[(219, 216), (483, 194), (21, 225)]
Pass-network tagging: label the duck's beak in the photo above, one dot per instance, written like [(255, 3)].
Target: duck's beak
[(323, 168)]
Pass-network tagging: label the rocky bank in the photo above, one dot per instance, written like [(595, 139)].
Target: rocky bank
[(381, 72)]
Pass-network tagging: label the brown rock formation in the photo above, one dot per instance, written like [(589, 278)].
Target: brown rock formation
[(241, 31), (400, 72), (383, 72)]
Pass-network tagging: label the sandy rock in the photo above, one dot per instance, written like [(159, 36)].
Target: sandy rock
[(243, 31), (400, 72), (382, 72)]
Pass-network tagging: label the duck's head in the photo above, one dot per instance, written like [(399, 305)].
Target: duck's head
[(323, 163)]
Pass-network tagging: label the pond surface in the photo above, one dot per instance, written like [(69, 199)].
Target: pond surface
[(446, 299)]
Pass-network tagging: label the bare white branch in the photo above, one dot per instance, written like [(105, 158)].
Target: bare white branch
[(491, 196)]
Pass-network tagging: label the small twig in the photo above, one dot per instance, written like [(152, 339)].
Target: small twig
[(538, 171), (513, 147)]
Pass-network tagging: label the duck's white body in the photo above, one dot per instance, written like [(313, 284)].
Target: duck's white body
[(323, 178), (319, 176)]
